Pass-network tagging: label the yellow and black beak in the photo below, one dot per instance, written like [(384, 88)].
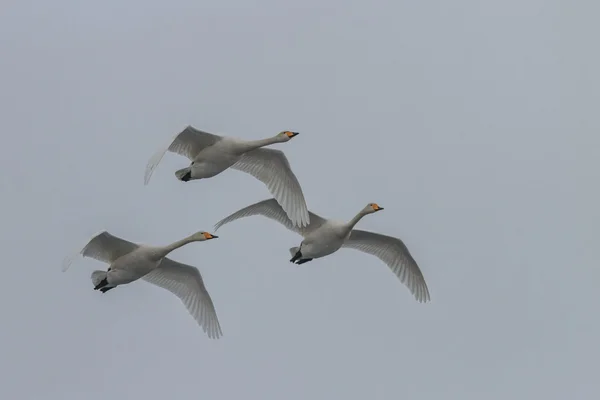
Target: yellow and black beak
[(377, 208), (210, 236), (291, 134)]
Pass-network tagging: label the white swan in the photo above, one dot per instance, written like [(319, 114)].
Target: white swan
[(323, 237), (130, 261), (212, 154)]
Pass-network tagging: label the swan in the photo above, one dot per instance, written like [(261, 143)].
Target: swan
[(323, 237), (212, 154), (129, 262)]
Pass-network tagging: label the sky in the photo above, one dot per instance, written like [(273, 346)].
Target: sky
[(474, 124)]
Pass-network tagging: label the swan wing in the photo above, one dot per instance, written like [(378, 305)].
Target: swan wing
[(273, 169), (395, 254), (185, 282), (188, 143), (270, 208), (103, 247)]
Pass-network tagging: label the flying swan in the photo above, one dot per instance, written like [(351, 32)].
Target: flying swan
[(323, 237), (212, 154), (130, 262)]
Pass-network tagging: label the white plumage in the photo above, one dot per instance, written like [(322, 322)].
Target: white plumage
[(323, 237), (212, 154), (129, 262)]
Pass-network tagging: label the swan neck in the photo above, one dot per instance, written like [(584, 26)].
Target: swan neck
[(250, 145), (355, 220), (175, 245)]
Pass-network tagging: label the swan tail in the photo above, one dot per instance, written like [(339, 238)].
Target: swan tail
[(294, 250), (98, 277)]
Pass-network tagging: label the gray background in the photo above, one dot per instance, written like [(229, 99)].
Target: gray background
[(474, 124)]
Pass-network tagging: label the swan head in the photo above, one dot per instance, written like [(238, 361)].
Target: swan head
[(286, 135), (372, 208), (202, 236)]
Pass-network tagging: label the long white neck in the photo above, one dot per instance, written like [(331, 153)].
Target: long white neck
[(175, 245), (248, 145), (350, 225)]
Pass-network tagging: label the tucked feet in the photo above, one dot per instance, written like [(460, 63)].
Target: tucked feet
[(101, 284), (297, 256), (187, 177)]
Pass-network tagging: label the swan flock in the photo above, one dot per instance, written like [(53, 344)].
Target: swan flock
[(209, 155)]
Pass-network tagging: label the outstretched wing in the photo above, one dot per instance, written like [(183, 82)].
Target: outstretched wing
[(187, 143), (103, 247), (185, 282), (395, 254), (272, 168), (270, 208)]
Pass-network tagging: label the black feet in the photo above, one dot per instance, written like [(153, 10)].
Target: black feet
[(101, 284), (297, 256), (187, 176), (298, 259)]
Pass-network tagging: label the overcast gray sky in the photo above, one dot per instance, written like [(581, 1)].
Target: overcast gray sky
[(474, 124)]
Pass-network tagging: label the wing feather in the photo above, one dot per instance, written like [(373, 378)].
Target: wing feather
[(185, 282), (103, 247), (395, 254), (187, 143), (271, 209), (273, 169)]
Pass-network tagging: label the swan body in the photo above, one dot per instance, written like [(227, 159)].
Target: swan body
[(130, 261), (211, 154), (213, 160), (325, 240), (323, 237)]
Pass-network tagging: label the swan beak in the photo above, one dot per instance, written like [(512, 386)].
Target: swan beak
[(377, 208), (209, 236), (291, 134)]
